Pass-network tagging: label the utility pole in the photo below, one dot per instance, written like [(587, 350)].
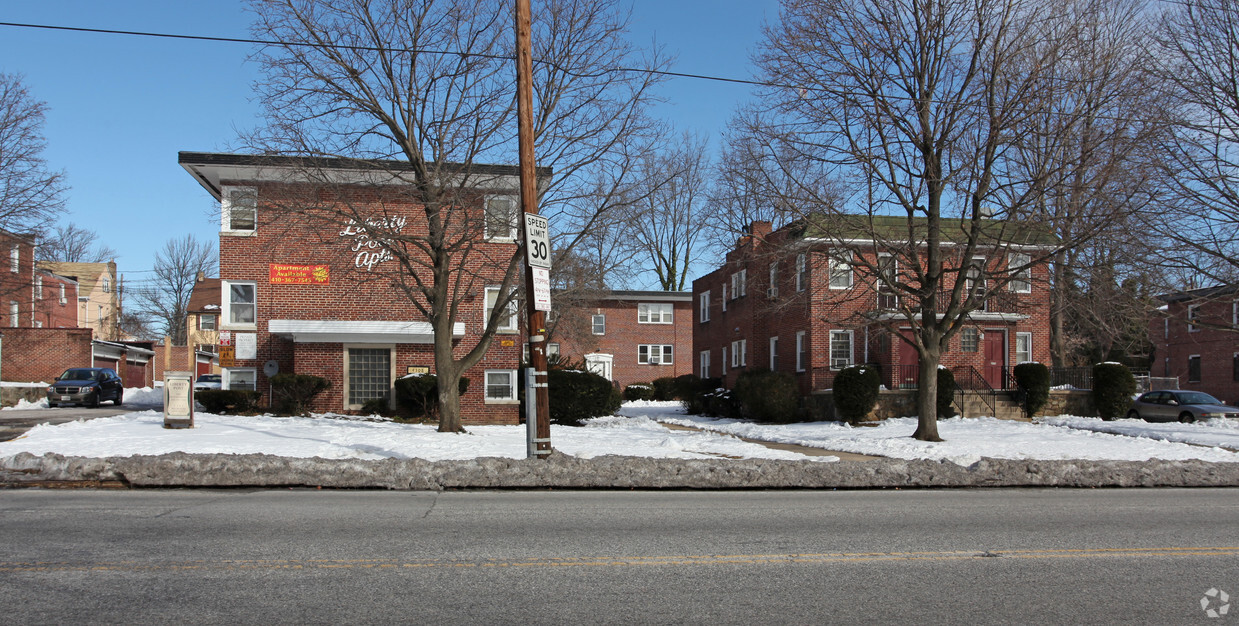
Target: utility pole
[(536, 392)]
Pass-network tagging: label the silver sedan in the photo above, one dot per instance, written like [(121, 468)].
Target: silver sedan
[(1184, 406)]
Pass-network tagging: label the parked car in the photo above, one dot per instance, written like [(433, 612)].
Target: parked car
[(1184, 406), (86, 385), (208, 381)]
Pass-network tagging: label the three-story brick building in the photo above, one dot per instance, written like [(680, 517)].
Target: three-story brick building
[(1196, 340)]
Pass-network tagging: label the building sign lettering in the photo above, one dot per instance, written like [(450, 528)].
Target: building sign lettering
[(281, 274), (371, 251)]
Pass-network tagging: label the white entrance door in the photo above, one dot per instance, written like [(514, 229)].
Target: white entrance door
[(599, 364)]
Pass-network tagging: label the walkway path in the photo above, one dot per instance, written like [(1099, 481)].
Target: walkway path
[(790, 447)]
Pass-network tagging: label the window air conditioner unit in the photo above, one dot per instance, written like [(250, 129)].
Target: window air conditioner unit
[(772, 292), (654, 359), (839, 363)]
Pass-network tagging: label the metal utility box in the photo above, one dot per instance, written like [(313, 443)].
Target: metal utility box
[(178, 400)]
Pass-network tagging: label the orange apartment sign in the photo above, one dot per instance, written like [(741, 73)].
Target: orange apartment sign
[(281, 274)]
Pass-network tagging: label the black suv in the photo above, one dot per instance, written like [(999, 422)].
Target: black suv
[(86, 385)]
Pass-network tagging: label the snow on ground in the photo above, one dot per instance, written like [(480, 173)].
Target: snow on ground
[(1222, 433), (967, 439)]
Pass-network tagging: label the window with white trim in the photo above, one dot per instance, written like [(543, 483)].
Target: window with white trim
[(38, 287), (974, 277), (1192, 315), (723, 362), (840, 349), (801, 355), (107, 284), (15, 258), (724, 296), (14, 314), (245, 378), (802, 272), (368, 374), (704, 363), (739, 353), (655, 354), (501, 214), (774, 354), (599, 324), (772, 290), (500, 386), (840, 269), (654, 313), (206, 322), (238, 209), (1021, 279), (739, 284), (704, 301), (240, 303), (507, 319), (1023, 348), (63, 298)]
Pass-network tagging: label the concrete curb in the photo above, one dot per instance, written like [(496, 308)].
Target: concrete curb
[(608, 472)]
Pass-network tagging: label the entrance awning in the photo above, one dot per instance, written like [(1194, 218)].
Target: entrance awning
[(363, 331)]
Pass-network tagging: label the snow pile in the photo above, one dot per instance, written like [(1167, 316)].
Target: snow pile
[(1221, 433)]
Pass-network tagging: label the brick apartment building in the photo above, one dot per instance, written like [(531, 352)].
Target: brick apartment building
[(17, 279), (98, 303), (310, 297), (792, 302), (1197, 341), (628, 336)]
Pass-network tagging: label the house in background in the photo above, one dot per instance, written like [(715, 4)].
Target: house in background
[(17, 279), (1196, 340), (202, 327), (793, 302), (98, 302), (627, 336), (55, 300)]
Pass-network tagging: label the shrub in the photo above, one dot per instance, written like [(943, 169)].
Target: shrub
[(291, 393), (946, 393), (417, 395), (239, 401), (377, 406), (638, 391), (856, 392), (1113, 388), (1033, 379), (694, 396), (664, 388), (768, 396), (577, 395), (686, 385)]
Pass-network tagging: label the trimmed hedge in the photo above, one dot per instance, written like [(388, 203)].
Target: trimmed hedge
[(1113, 388), (577, 395), (946, 393), (665, 389), (768, 396), (291, 393), (1033, 379), (240, 401), (417, 396), (639, 391), (856, 392)]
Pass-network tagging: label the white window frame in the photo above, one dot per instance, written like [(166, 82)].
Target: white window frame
[(723, 362), (663, 311), (772, 290), (801, 351), (230, 372), (202, 317), (599, 319), (774, 353), (802, 270), (1026, 351), (739, 353), (15, 258), (225, 209), (226, 313), (840, 269), (666, 353), (703, 361), (38, 287), (14, 314), (704, 304), (552, 350), (496, 234), (724, 296), (1021, 280), (739, 284), (851, 358), (488, 305), (511, 398), (107, 284), (1191, 317), (63, 298)]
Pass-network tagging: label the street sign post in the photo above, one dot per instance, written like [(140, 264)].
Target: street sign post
[(537, 241)]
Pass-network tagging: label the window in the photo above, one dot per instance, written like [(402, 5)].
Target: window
[(1023, 348), (974, 277), (655, 354), (240, 378), (239, 209), (552, 351), (801, 356), (240, 303), (38, 287), (600, 324), (368, 375), (840, 269), (739, 353), (15, 258), (507, 319), (1192, 315), (739, 284), (1166, 328), (500, 386), (773, 290), (1021, 279), (1235, 366), (658, 313), (63, 299), (969, 340), (723, 362), (501, 217), (13, 313), (840, 349), (107, 284), (774, 354), (704, 362), (888, 277), (724, 297), (704, 301), (802, 272), (206, 322), (1193, 368)]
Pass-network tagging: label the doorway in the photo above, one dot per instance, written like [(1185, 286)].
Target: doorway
[(994, 351)]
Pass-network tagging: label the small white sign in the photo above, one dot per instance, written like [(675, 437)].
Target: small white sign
[(541, 289), (225, 338), (537, 241), (247, 345)]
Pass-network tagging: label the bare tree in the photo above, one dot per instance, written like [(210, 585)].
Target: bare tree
[(428, 86), (31, 195), (70, 244), (164, 299), (918, 107)]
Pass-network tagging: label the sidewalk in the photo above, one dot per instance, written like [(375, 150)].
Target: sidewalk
[(789, 447)]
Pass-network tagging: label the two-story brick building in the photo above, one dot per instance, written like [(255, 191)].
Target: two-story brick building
[(98, 302), (17, 279), (793, 302), (1196, 339), (310, 296), (628, 336)]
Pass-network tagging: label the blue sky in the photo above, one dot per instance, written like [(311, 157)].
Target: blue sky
[(121, 107)]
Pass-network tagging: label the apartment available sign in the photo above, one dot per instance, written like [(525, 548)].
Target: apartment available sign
[(282, 274)]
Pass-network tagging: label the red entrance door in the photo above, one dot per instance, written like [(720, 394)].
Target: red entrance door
[(994, 347), (908, 372)]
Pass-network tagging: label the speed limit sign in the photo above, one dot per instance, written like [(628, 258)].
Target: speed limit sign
[(537, 241)]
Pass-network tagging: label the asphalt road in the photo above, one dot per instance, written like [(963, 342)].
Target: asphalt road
[(980, 556), (15, 422)]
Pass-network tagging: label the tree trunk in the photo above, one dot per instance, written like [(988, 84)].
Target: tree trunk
[(449, 402), (927, 397)]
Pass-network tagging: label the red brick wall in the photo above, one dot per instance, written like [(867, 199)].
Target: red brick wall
[(624, 334), (1216, 342), (16, 287), (50, 310), (41, 354)]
